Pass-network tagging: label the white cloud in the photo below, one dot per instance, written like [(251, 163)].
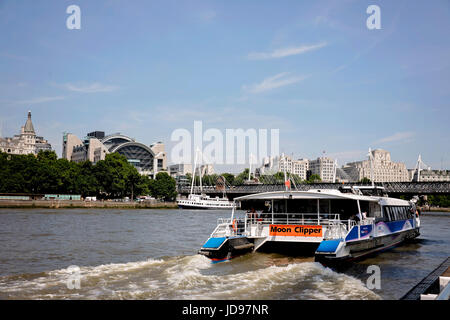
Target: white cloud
[(399, 136), (285, 52), (91, 88), (40, 100), (276, 81)]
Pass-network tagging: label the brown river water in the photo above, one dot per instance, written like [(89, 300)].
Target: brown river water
[(152, 254)]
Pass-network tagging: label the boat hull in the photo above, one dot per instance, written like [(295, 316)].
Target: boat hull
[(223, 249), (289, 248), (363, 249), (202, 207)]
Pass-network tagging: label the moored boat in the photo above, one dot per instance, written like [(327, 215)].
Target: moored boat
[(201, 200)]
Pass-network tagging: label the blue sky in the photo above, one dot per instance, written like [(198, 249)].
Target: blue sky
[(309, 68)]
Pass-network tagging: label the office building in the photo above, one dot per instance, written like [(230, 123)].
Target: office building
[(148, 160)]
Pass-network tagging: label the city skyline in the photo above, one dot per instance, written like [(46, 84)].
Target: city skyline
[(313, 71)]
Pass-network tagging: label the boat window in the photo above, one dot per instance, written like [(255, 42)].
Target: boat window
[(394, 213), (302, 206), (279, 206), (374, 210), (388, 213), (344, 207), (325, 206)]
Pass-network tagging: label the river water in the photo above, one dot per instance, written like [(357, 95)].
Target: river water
[(151, 254)]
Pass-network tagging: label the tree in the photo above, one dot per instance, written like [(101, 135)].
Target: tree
[(442, 201), (365, 180), (163, 187), (87, 180), (228, 177), (314, 178), (116, 176), (44, 173), (241, 177)]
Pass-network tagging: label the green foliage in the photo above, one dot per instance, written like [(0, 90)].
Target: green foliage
[(442, 201), (163, 187), (113, 177), (365, 180), (314, 178), (241, 177), (228, 177)]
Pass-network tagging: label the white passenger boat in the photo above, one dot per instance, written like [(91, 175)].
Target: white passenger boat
[(203, 201), (333, 225)]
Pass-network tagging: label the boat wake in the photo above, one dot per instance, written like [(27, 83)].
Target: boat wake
[(188, 277)]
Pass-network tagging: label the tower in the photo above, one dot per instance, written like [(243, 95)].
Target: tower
[(28, 136)]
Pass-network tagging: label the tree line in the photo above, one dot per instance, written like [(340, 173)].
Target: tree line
[(112, 178)]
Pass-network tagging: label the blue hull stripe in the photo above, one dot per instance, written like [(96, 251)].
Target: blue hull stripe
[(328, 246), (214, 243)]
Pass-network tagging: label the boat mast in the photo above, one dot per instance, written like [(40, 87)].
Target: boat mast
[(224, 186), (193, 172), (250, 168), (201, 171)]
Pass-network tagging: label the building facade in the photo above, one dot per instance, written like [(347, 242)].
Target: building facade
[(384, 169), (27, 142), (324, 167), (429, 175), (181, 169), (205, 169), (148, 160)]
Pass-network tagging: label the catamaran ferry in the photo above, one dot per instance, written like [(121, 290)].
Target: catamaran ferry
[(332, 225)]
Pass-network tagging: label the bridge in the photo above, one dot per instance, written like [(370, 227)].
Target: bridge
[(391, 188)]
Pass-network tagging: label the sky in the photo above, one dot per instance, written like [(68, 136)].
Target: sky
[(311, 69)]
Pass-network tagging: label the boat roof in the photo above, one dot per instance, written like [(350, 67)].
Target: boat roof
[(310, 194)]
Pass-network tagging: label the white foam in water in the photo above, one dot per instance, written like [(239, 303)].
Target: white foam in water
[(188, 277), (305, 281)]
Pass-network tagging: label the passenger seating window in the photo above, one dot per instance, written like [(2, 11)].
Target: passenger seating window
[(395, 213)]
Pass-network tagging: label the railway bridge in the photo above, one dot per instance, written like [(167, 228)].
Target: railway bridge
[(394, 189)]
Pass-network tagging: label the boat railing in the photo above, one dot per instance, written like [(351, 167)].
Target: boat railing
[(336, 228), (227, 227), (294, 218), (221, 230)]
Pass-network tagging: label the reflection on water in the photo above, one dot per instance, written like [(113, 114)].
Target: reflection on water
[(151, 254)]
